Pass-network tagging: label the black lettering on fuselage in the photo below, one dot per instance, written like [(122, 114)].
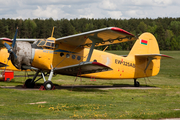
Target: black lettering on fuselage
[(125, 63)]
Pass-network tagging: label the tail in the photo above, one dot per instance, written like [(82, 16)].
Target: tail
[(145, 44), (146, 54)]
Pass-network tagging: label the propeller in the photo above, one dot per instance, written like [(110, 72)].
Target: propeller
[(10, 49)]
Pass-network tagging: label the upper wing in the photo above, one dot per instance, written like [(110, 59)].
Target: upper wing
[(5, 40), (9, 41), (26, 40), (105, 36), (82, 68)]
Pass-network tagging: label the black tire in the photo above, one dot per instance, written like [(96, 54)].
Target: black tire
[(29, 83), (137, 84), (48, 85)]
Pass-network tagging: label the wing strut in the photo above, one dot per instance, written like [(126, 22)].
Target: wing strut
[(95, 39), (91, 51)]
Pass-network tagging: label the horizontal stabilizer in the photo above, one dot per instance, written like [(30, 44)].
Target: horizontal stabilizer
[(153, 56), (82, 68), (150, 57)]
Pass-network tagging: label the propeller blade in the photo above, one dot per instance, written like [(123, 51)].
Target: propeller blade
[(14, 40), (14, 55), (8, 47)]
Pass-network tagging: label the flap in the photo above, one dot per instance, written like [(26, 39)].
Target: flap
[(105, 36), (82, 68)]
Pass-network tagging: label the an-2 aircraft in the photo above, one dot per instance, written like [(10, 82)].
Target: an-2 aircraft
[(75, 55)]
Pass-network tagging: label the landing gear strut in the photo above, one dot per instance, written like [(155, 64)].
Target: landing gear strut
[(136, 83), (48, 85)]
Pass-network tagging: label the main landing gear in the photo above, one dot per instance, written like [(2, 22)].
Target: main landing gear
[(48, 85), (136, 83)]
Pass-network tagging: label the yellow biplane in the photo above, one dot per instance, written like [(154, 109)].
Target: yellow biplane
[(75, 55)]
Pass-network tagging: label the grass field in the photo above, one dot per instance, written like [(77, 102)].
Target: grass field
[(94, 103)]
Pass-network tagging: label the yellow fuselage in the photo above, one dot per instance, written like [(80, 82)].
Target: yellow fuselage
[(123, 67)]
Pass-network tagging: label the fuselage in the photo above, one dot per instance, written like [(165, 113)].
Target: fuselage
[(123, 67)]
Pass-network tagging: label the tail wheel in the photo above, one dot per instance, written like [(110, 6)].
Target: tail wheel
[(48, 85), (137, 84), (29, 83)]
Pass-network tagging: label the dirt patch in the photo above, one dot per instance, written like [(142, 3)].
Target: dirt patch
[(43, 102)]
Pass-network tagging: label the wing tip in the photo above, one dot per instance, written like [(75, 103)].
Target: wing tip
[(121, 30), (166, 56), (6, 39)]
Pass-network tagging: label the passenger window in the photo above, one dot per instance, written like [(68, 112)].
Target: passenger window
[(61, 54)]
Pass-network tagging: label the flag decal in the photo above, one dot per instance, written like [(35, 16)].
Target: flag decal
[(144, 42)]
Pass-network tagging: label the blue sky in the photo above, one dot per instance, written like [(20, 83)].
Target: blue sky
[(70, 9)]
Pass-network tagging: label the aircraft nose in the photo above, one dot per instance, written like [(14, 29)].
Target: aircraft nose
[(23, 51)]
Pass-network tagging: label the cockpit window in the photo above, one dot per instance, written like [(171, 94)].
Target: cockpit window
[(41, 43), (37, 42), (50, 40), (53, 45), (48, 44)]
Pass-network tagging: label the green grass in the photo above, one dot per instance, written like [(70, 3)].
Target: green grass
[(88, 103)]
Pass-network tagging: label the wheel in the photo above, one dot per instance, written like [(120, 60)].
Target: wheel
[(48, 85), (137, 84), (29, 83)]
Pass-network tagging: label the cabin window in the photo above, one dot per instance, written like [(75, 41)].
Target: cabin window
[(61, 54), (73, 57), (79, 58), (56, 45), (67, 55)]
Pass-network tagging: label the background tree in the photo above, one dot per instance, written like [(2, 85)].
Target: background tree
[(166, 30)]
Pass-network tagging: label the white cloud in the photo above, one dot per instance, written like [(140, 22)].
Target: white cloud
[(58, 9), (162, 2), (87, 16), (47, 12), (115, 14), (136, 13), (106, 4)]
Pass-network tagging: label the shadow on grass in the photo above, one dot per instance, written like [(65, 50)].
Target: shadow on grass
[(87, 88)]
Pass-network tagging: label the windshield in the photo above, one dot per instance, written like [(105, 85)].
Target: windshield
[(49, 44), (42, 43)]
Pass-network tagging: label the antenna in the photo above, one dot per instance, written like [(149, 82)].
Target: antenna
[(52, 31)]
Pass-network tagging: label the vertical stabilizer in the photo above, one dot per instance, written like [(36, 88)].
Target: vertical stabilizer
[(145, 44)]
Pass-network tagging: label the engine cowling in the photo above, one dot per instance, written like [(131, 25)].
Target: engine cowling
[(23, 51)]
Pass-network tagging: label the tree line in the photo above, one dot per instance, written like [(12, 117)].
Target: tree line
[(166, 30)]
